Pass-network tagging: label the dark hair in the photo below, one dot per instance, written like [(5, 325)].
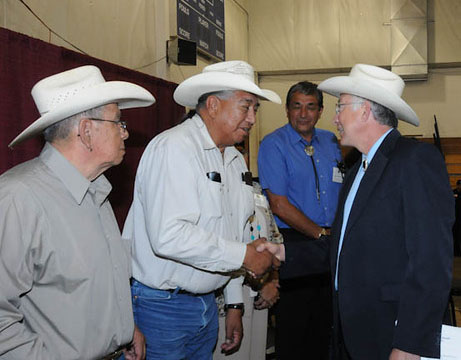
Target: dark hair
[(306, 88)]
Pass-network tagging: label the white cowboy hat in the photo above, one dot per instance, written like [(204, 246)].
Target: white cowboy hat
[(376, 84), (226, 75), (62, 95)]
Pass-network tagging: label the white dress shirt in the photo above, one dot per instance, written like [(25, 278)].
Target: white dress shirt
[(187, 230)]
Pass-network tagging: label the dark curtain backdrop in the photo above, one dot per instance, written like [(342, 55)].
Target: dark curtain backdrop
[(24, 61)]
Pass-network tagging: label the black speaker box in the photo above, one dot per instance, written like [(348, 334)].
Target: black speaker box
[(182, 52)]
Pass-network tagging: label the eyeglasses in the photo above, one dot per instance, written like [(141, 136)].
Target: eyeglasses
[(121, 123), (339, 106)]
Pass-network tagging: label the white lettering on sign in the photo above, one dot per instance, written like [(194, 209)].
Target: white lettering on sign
[(203, 22), (183, 9), (184, 33), (219, 23), (204, 44), (219, 34), (219, 54)]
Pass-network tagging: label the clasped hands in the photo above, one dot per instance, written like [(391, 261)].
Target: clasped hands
[(262, 256)]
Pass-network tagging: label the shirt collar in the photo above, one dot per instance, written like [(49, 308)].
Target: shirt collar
[(375, 147), (295, 137), (72, 179), (205, 137), (230, 152)]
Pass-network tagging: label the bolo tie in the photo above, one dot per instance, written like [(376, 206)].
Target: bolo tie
[(309, 150)]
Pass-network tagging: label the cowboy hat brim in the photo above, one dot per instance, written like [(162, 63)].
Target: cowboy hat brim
[(355, 86), (189, 91), (125, 94)]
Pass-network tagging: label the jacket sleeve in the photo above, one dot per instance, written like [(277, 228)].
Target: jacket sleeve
[(428, 209)]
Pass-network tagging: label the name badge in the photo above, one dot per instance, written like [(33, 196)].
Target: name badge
[(337, 176)]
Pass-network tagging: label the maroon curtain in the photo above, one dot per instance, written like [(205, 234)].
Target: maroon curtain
[(24, 61)]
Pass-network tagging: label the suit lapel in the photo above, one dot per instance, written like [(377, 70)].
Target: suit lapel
[(371, 178), (348, 180)]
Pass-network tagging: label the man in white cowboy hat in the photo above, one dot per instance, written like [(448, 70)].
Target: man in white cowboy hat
[(64, 271), (192, 198), (391, 247)]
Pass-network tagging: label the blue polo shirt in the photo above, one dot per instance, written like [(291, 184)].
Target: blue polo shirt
[(285, 169)]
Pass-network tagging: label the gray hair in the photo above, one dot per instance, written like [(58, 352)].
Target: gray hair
[(222, 94), (382, 114), (62, 129)]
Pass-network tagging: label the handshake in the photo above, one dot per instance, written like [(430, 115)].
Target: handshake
[(262, 256)]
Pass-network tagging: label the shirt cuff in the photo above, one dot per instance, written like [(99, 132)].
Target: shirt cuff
[(234, 254), (233, 291)]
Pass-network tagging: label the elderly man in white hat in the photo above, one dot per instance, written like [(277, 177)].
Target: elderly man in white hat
[(192, 199), (64, 271), (391, 245)]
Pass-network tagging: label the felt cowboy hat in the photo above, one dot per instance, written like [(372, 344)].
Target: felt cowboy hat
[(226, 75), (62, 95), (376, 84)]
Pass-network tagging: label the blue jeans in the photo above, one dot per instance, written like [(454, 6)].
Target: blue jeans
[(176, 326)]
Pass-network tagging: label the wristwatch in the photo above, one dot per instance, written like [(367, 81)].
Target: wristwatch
[(238, 306)]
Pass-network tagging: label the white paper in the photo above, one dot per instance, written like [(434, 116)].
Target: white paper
[(337, 176), (450, 345)]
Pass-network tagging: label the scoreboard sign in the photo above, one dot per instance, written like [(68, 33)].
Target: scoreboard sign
[(202, 21)]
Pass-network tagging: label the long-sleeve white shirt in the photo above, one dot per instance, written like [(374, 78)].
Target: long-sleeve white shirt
[(187, 230)]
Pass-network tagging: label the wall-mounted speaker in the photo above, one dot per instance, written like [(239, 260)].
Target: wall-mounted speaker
[(181, 52)]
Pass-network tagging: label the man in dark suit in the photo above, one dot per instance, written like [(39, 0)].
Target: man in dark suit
[(390, 248)]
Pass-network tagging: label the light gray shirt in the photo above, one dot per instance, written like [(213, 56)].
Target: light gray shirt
[(64, 272), (188, 230)]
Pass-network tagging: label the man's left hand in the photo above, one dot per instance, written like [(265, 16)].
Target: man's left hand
[(137, 349), (397, 354), (234, 331)]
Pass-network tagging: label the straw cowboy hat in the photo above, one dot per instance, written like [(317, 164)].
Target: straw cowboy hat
[(376, 84), (226, 75), (60, 96)]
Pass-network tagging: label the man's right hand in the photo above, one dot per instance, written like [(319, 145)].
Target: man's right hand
[(277, 249), (258, 263)]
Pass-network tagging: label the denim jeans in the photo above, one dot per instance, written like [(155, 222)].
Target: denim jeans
[(176, 326)]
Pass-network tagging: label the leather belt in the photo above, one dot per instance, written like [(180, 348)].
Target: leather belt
[(113, 356), (184, 292)]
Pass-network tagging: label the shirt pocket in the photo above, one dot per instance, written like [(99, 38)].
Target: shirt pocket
[(211, 197)]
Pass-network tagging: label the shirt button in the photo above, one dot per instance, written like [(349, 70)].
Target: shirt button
[(323, 192)]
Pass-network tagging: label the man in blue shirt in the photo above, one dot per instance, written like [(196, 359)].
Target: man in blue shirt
[(298, 169)]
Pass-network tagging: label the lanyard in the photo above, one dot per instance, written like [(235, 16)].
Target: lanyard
[(309, 150)]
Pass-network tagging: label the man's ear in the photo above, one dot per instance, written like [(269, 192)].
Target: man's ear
[(84, 133), (365, 111), (212, 104)]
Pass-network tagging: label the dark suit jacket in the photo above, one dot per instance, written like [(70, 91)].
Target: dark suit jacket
[(396, 260)]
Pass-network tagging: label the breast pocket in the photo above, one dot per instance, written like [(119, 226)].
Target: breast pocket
[(212, 198)]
